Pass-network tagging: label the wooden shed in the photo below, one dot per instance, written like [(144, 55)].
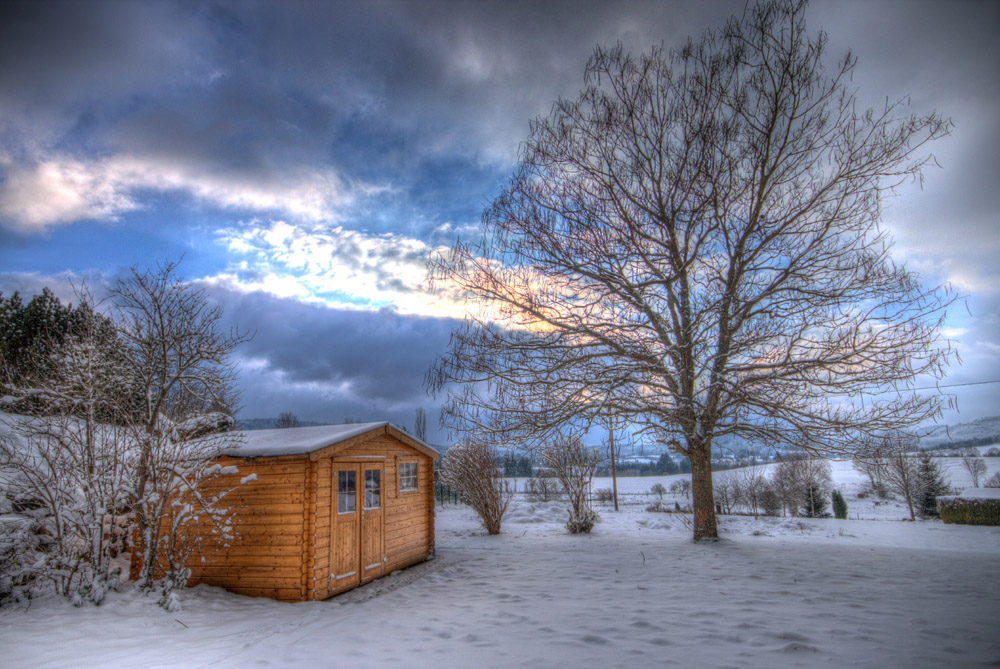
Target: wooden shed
[(330, 508)]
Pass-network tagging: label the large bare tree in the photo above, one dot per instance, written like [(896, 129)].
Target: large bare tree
[(694, 243)]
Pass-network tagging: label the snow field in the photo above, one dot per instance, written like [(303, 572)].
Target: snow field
[(773, 592), (635, 490), (637, 592)]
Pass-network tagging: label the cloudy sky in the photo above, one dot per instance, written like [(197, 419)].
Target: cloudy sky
[(304, 158)]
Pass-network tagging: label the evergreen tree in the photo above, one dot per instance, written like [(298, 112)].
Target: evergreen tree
[(666, 465), (839, 505), (815, 501), (930, 484)]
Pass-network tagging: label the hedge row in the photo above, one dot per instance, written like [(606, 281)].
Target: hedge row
[(969, 511)]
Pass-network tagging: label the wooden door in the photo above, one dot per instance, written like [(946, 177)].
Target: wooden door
[(372, 525), (345, 544)]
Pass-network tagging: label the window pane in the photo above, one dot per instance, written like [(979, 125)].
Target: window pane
[(373, 498), (346, 492), (408, 476)]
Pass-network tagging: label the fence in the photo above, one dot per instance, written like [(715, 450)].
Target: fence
[(444, 493)]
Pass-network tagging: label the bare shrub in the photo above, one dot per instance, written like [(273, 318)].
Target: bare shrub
[(659, 490), (993, 481), (726, 490), (604, 495), (574, 466), (681, 487), (543, 487), (752, 482), (473, 469), (769, 501), (800, 480), (975, 465)]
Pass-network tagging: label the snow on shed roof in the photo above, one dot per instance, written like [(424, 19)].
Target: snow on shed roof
[(299, 440)]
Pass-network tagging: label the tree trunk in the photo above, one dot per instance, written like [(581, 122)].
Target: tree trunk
[(909, 504), (614, 472), (705, 525)]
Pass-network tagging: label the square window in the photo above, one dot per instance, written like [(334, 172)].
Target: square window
[(407, 476)]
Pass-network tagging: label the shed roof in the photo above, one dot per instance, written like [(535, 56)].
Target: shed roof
[(303, 440)]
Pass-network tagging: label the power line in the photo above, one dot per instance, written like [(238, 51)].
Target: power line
[(898, 391), (959, 385)]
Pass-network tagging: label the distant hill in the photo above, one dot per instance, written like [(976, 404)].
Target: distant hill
[(984, 429)]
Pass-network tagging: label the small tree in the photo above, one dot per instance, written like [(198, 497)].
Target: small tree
[(543, 487), (659, 490), (975, 465), (839, 506), (726, 490), (871, 462), (930, 484), (178, 358), (898, 467), (770, 501), (993, 481), (681, 487), (752, 482), (574, 466), (801, 481), (472, 468), (814, 503), (420, 425), (286, 420)]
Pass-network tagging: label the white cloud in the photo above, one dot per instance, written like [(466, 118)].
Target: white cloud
[(60, 189), (337, 267)]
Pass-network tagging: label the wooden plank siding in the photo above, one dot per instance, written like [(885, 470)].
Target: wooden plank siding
[(266, 557), (408, 520), (284, 518)]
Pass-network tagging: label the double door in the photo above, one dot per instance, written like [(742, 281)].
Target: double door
[(357, 547)]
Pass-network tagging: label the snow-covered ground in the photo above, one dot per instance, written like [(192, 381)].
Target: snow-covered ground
[(637, 592), (636, 490)]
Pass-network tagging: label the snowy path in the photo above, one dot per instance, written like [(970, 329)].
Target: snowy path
[(636, 593)]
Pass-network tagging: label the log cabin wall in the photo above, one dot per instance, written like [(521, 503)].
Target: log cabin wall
[(284, 518), (409, 516), (267, 557)]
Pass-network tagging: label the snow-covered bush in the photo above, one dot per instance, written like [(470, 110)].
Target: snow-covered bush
[(121, 409), (473, 469), (22, 546), (574, 465)]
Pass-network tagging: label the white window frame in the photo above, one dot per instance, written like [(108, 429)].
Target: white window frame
[(415, 477)]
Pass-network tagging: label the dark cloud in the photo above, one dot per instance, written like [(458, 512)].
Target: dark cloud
[(428, 100), (325, 364)]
